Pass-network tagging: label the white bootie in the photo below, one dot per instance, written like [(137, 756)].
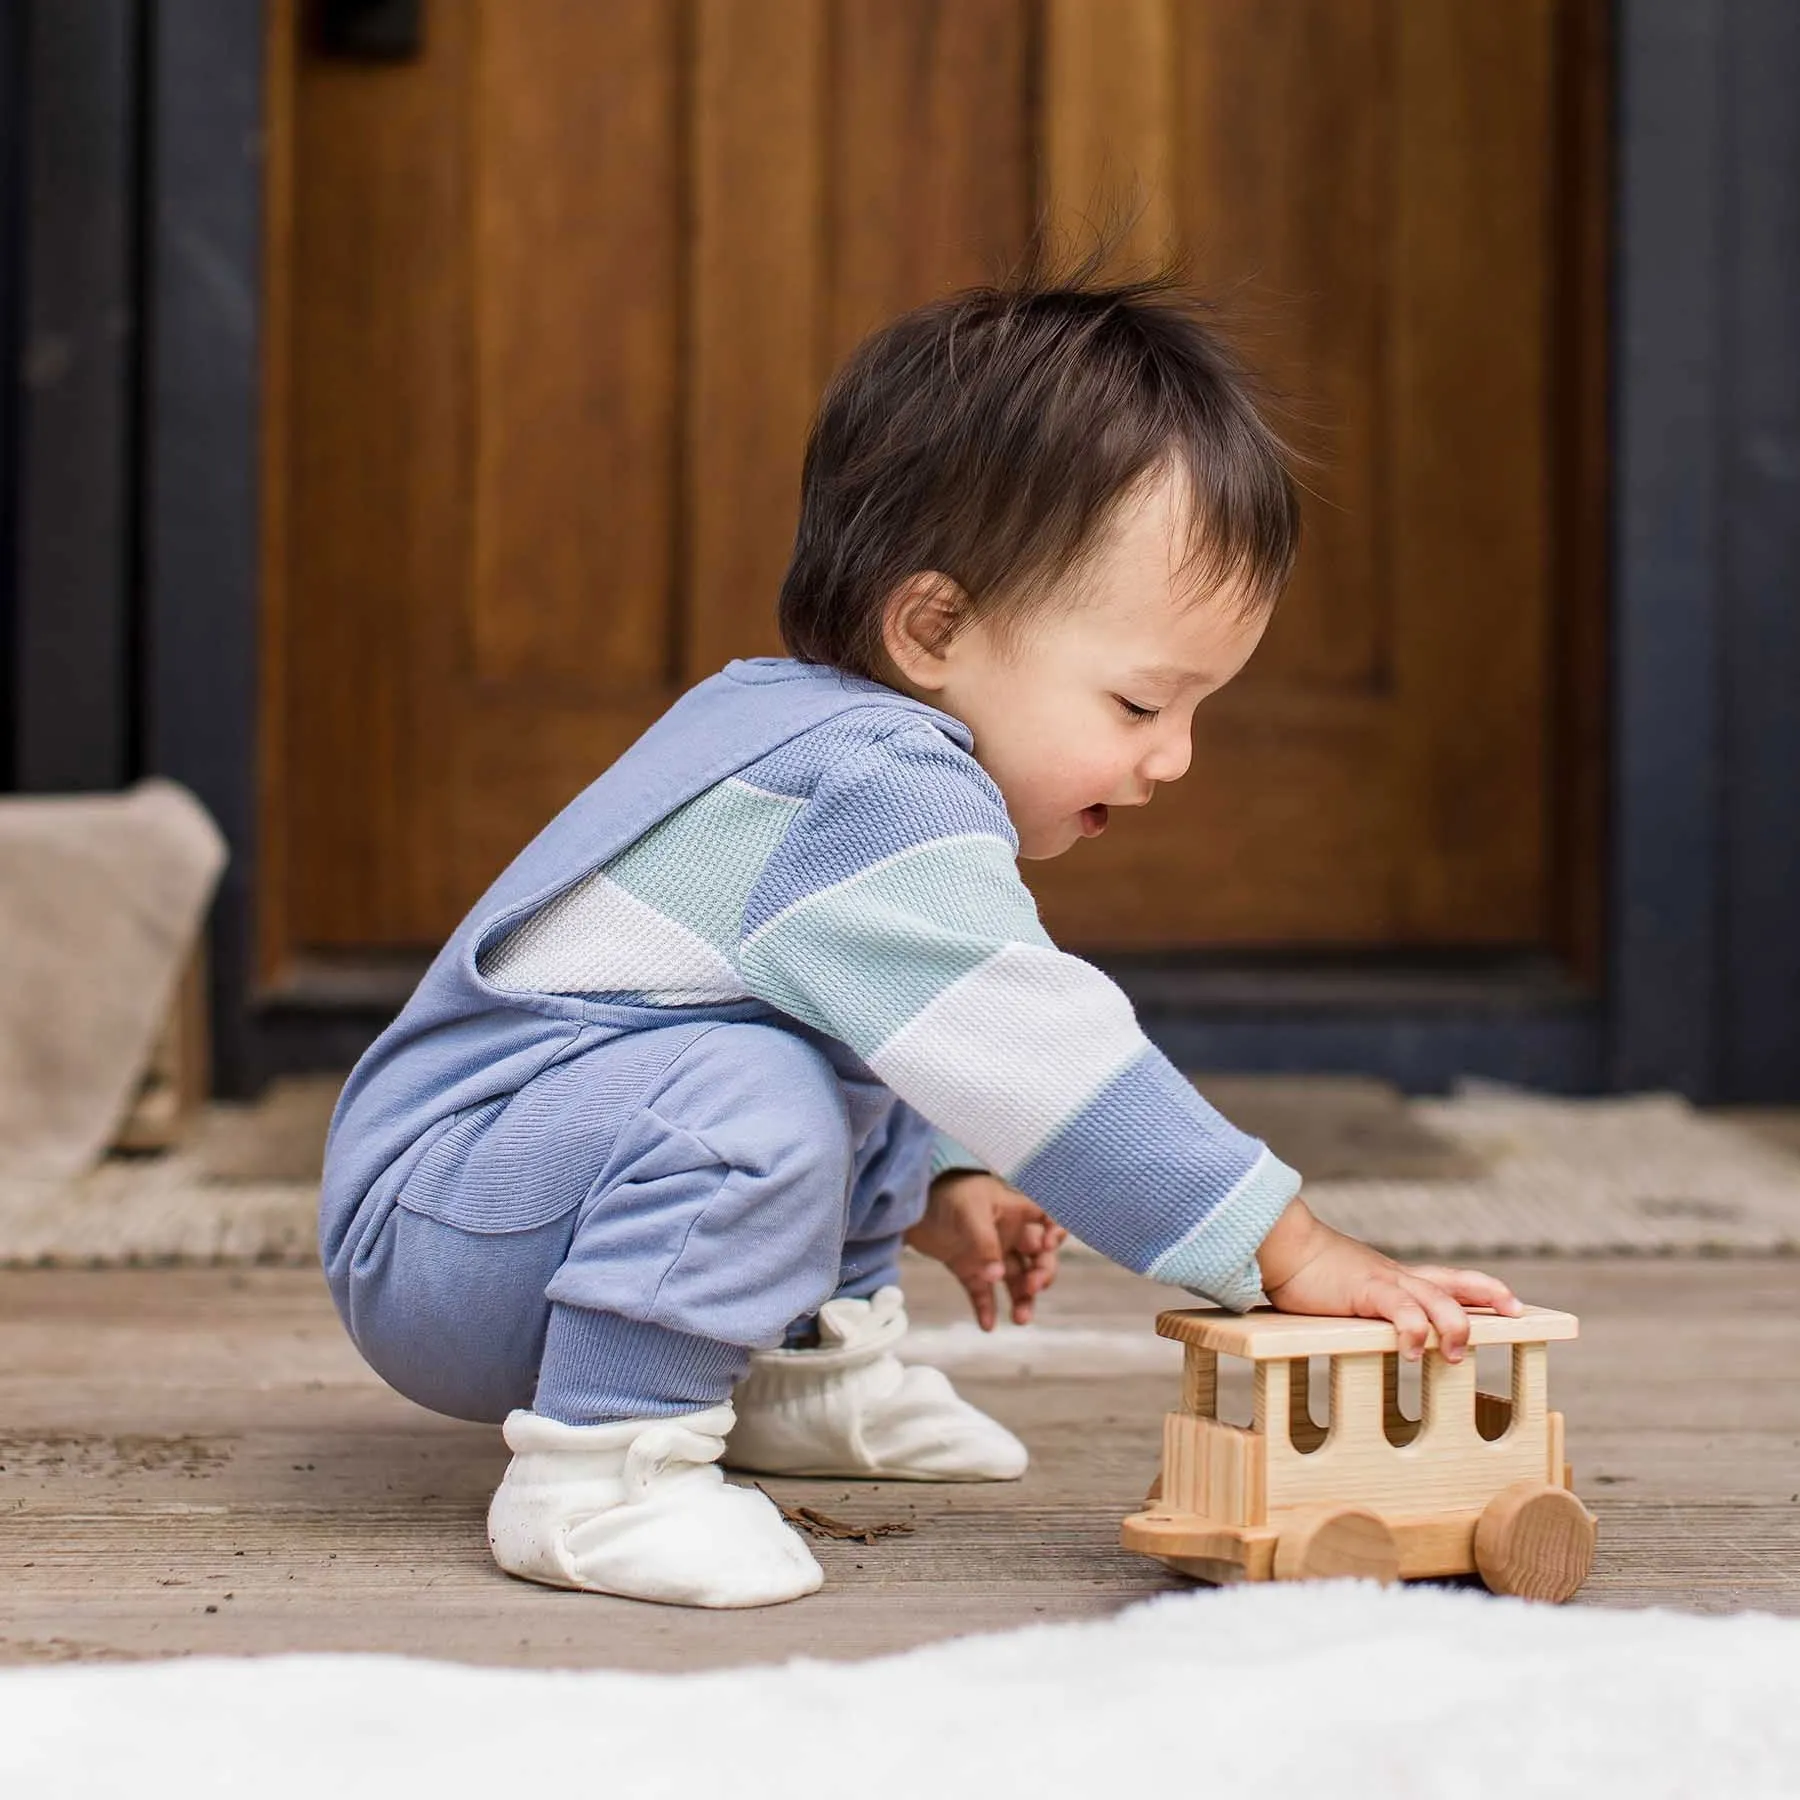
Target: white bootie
[(852, 1408), (640, 1508)]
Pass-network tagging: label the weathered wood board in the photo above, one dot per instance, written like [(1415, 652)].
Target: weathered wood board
[(195, 1460)]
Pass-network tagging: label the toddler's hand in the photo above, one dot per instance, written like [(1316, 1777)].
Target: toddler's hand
[(984, 1232), (1309, 1268)]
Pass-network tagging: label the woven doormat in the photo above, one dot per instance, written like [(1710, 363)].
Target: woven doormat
[(1645, 1175), (245, 1189), (1490, 1171)]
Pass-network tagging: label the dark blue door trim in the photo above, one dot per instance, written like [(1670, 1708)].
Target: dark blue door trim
[(70, 88), (1705, 990), (200, 460), (1758, 1001)]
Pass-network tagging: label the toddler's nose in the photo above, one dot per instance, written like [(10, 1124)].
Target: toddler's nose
[(1167, 762)]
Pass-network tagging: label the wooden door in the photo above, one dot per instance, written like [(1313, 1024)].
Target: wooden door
[(550, 306)]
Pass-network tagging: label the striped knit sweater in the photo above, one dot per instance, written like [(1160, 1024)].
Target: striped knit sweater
[(861, 878)]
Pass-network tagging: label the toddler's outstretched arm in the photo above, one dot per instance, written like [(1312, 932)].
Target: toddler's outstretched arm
[(891, 915)]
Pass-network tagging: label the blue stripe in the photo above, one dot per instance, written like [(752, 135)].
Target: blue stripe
[(1146, 1166), (910, 788)]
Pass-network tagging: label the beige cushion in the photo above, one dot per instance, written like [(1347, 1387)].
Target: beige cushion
[(102, 899)]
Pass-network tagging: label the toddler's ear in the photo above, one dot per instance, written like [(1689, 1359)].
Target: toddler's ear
[(919, 620)]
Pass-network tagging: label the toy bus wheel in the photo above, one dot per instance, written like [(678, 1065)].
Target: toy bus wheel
[(1337, 1542), (1535, 1541)]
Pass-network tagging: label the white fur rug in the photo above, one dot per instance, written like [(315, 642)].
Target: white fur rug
[(1350, 1691)]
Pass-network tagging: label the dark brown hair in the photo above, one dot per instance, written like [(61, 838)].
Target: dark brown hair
[(988, 436)]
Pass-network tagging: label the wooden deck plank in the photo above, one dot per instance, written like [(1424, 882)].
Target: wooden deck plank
[(173, 1441)]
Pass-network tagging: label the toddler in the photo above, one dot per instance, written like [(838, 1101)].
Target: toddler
[(632, 1170)]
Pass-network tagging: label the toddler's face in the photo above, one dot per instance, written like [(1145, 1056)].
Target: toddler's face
[(1090, 703)]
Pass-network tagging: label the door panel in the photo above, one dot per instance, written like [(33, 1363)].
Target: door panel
[(759, 175), (931, 150), (575, 235), (556, 301)]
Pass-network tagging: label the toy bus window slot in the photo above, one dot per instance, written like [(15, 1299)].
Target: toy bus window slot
[(1281, 1412), (1403, 1401), (1494, 1389), (1309, 1402)]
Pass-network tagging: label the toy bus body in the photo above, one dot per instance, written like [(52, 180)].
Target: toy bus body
[(1476, 1484)]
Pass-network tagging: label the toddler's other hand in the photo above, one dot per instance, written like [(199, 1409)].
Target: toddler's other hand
[(985, 1232), (1309, 1268)]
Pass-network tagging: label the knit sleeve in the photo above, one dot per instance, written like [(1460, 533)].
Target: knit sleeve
[(947, 1154), (892, 916)]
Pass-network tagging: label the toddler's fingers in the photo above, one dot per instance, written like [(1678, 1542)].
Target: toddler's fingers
[(1389, 1300), (1022, 1287), (980, 1289), (1471, 1287), (1447, 1317), (982, 1235)]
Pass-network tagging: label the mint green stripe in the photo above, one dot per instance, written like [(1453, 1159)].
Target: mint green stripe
[(862, 958), (699, 864), (947, 1153), (1217, 1259)]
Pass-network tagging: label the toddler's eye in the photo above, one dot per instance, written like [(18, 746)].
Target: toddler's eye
[(1137, 712)]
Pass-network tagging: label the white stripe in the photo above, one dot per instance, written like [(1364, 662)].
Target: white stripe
[(599, 939), (1005, 1056), (868, 869)]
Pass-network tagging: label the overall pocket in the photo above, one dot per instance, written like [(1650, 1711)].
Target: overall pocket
[(522, 1159)]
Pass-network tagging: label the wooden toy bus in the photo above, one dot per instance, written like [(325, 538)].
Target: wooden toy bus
[(1476, 1484)]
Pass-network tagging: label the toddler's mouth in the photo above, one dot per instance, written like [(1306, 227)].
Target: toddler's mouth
[(1093, 820)]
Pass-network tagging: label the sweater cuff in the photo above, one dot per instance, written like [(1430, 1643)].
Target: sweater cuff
[(948, 1154), (1217, 1259)]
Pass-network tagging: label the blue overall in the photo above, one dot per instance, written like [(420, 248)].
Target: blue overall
[(598, 1210)]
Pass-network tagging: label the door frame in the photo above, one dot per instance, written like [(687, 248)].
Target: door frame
[(1700, 990)]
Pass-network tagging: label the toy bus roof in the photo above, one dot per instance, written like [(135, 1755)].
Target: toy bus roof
[(1268, 1336)]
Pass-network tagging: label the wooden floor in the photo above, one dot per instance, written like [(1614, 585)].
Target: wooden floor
[(196, 1461)]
